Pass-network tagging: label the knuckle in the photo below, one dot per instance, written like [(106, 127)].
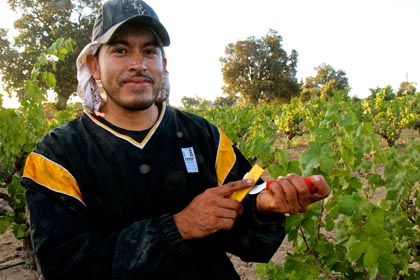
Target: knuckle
[(212, 221), (229, 224)]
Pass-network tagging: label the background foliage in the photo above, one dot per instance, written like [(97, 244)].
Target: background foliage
[(20, 130), (40, 24), (369, 226)]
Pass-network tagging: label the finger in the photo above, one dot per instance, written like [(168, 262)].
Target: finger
[(222, 218), (290, 194), (304, 191), (225, 203), (274, 197), (227, 213), (228, 189), (225, 224), (320, 185), (308, 181), (299, 183)]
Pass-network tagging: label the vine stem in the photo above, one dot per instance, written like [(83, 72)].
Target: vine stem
[(304, 239), (320, 219), (6, 197), (318, 262)]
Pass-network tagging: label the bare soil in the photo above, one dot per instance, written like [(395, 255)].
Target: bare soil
[(13, 263), (247, 270)]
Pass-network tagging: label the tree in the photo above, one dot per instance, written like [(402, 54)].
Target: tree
[(221, 101), (387, 92), (406, 88), (40, 24), (195, 102), (259, 70), (326, 81)]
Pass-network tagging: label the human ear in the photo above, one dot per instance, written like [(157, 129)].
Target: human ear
[(164, 62), (93, 64)]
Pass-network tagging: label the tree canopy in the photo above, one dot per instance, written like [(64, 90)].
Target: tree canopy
[(40, 24), (387, 92), (195, 102), (326, 81), (406, 88), (259, 70)]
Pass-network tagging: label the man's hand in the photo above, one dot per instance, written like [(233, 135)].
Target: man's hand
[(211, 211), (291, 194)]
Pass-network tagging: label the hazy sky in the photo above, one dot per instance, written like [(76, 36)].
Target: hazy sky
[(375, 42)]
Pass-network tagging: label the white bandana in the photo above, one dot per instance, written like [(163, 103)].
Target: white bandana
[(88, 89)]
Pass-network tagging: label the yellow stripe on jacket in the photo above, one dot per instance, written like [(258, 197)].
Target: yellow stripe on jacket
[(226, 158), (51, 175)]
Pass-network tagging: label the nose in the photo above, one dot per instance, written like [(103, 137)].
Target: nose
[(137, 63)]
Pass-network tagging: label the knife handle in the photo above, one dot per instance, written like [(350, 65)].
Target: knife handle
[(308, 182), (255, 173)]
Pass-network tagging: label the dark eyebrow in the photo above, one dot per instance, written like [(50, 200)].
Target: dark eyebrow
[(113, 42)]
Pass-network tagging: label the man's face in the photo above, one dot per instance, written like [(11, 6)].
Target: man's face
[(130, 67)]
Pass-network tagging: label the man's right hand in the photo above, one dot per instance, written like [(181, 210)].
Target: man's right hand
[(211, 211)]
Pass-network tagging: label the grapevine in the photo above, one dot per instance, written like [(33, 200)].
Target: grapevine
[(368, 228)]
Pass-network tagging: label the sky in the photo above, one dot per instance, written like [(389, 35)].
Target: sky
[(375, 42)]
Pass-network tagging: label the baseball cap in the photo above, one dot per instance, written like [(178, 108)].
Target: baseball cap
[(115, 13)]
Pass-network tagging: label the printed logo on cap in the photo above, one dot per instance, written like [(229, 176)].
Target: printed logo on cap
[(136, 5)]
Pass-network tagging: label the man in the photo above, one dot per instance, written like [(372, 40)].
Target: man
[(135, 189)]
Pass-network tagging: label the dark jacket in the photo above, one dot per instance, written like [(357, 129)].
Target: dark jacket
[(101, 201)]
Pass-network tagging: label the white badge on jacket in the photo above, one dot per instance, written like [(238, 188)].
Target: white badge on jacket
[(189, 159)]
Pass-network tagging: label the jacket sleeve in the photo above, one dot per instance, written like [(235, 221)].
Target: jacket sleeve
[(69, 245), (255, 236)]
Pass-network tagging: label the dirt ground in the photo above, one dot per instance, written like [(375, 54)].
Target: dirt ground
[(246, 270), (12, 260), (14, 267)]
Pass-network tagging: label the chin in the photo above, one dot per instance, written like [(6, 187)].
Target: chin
[(139, 106)]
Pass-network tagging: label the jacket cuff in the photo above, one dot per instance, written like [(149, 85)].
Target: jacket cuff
[(170, 237)]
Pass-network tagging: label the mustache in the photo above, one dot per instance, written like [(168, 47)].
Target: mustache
[(139, 74)]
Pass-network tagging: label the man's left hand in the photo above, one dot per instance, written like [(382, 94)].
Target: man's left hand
[(291, 194)]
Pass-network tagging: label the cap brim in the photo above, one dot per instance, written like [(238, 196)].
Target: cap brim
[(157, 27)]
